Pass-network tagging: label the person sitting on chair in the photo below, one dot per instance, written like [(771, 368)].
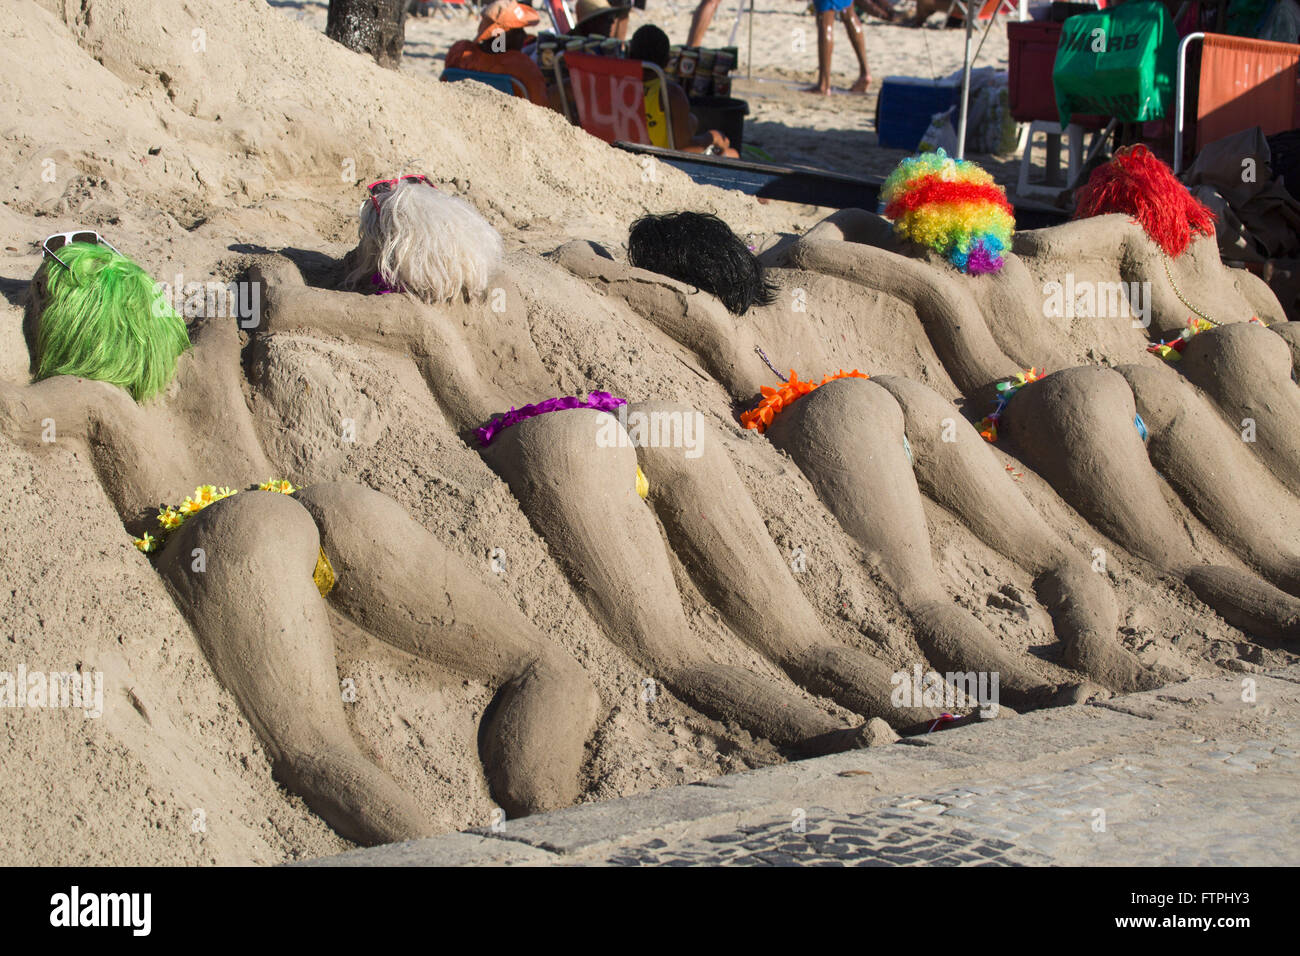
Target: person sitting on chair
[(598, 18), (499, 45), (650, 45)]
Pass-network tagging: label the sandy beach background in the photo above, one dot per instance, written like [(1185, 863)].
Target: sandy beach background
[(836, 132)]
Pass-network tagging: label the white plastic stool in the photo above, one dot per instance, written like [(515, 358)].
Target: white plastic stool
[(1077, 162), (1054, 186)]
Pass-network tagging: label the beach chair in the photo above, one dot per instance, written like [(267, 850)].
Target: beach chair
[(610, 96), (504, 82), (561, 15), (1006, 8), (991, 9), (1241, 82)]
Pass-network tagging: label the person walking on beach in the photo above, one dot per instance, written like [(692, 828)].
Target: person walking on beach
[(700, 21), (826, 10)]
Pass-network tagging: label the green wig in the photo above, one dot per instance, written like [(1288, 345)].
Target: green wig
[(104, 318)]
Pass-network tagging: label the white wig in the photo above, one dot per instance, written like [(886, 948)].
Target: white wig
[(426, 242)]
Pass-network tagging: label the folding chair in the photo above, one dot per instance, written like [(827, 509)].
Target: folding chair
[(610, 96), (1007, 8), (561, 15), (504, 82), (1242, 83), (990, 9)]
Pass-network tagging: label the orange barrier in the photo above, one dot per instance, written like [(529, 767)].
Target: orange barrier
[(1242, 83)]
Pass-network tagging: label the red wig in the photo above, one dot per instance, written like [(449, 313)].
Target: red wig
[(1139, 185)]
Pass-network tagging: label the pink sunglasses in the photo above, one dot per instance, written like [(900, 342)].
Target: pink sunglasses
[(381, 186)]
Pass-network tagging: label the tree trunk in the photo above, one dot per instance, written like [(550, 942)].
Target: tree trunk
[(377, 27)]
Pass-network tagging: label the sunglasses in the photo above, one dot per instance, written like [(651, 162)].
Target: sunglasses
[(60, 239), (382, 186)]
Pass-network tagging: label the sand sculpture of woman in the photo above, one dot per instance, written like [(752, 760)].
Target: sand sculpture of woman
[(580, 491), (118, 377)]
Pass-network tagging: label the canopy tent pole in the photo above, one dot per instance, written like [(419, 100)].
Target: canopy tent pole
[(967, 64), (965, 82), (749, 56)]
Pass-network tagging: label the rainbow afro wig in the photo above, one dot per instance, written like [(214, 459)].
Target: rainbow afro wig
[(1139, 185), (102, 317), (951, 206)]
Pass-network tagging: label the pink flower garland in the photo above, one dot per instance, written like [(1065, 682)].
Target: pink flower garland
[(601, 401)]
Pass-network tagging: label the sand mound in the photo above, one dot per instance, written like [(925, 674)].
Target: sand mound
[(222, 137)]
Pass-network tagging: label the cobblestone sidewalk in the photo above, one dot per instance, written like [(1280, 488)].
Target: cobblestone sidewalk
[(1203, 773)]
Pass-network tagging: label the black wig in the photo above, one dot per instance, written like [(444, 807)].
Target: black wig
[(700, 250)]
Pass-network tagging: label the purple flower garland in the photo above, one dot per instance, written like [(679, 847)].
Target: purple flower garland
[(601, 401)]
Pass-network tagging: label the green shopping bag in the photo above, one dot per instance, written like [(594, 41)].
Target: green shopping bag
[(1118, 62)]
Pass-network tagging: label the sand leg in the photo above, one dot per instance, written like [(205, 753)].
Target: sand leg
[(1217, 476), (720, 537), (577, 483), (943, 302), (1247, 602), (1246, 369), (1290, 333), (1075, 427), (265, 630), (400, 584), (847, 437), (955, 467)]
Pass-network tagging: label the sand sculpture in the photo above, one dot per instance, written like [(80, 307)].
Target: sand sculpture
[(242, 571), (872, 450), (573, 487), (1078, 427)]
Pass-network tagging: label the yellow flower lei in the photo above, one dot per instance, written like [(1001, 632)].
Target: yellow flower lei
[(172, 517)]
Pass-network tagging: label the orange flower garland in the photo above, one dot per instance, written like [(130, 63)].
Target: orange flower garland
[(776, 400)]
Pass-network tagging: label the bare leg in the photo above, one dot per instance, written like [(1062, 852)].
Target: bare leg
[(700, 21), (854, 27), (575, 486), (955, 467), (401, 585), (923, 10), (825, 47), (265, 629), (847, 437), (718, 533)]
